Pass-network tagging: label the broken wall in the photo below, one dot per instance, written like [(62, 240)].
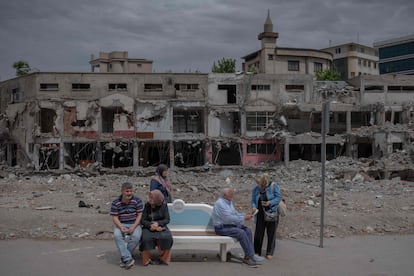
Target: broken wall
[(154, 120)]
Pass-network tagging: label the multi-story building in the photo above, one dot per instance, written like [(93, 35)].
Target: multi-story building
[(396, 56), (271, 59), (118, 62), (65, 120), (353, 59)]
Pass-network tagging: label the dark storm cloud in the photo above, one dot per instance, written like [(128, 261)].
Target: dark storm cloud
[(184, 35)]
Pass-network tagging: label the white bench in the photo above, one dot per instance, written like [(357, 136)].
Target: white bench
[(192, 223)]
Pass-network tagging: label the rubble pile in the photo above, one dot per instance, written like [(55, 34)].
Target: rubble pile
[(76, 205)]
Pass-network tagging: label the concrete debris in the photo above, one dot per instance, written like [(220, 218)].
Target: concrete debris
[(348, 203)]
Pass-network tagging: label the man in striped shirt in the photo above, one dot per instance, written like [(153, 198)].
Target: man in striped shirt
[(126, 212)]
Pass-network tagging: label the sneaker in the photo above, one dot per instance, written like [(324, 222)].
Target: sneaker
[(121, 264), (129, 264), (250, 262), (258, 259)]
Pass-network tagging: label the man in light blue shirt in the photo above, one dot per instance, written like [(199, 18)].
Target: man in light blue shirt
[(228, 221)]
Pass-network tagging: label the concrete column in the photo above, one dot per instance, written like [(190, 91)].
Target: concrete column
[(135, 155), (172, 165), (9, 154), (392, 116), (286, 149), (378, 118), (348, 121), (36, 149), (98, 153), (61, 155)]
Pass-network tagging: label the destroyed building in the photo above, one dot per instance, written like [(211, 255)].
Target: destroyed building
[(56, 121), (70, 120)]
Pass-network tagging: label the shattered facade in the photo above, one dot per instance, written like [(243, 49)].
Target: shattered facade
[(75, 120)]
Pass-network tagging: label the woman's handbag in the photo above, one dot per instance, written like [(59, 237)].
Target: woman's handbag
[(269, 216), (282, 208)]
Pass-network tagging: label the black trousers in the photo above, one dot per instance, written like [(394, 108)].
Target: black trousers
[(270, 228)]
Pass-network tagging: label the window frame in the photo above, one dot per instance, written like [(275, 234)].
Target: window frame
[(293, 65)]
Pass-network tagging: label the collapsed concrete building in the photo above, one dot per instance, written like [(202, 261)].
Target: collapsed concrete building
[(71, 120)]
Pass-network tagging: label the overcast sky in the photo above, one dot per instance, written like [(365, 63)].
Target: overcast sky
[(184, 35)]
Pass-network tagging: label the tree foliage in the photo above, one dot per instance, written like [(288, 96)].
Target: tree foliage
[(328, 75), (22, 67), (224, 65)]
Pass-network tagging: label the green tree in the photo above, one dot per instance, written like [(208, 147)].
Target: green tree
[(328, 75), (224, 65), (22, 67)]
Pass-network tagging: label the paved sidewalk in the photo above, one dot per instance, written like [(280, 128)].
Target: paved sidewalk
[(368, 255)]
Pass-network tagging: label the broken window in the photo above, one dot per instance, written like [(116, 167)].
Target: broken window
[(49, 156), (47, 120), (231, 92), (312, 152), (258, 121), (16, 95), (398, 88), (153, 153), (80, 154), (227, 153), (186, 86), (188, 121), (117, 86), (49, 86), (261, 87), (117, 154), (295, 87), (152, 87), (397, 147), (359, 119), (81, 86), (189, 154), (108, 116), (261, 148)]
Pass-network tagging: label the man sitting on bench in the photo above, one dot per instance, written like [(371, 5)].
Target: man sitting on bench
[(228, 221)]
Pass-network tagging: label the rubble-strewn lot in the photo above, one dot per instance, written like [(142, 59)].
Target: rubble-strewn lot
[(47, 205)]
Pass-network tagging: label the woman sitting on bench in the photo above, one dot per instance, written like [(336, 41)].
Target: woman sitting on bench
[(155, 232)]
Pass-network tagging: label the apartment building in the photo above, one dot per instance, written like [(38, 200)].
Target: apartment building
[(119, 62), (354, 59)]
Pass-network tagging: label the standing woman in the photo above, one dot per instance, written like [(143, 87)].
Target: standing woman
[(154, 229), (265, 196), (161, 182)]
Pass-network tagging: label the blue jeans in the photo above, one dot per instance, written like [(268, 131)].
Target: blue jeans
[(242, 233), (126, 249)]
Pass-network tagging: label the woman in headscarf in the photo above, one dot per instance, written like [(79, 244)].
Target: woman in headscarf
[(265, 197), (161, 182), (154, 229)]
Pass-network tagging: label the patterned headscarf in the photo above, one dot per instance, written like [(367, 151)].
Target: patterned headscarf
[(262, 180), (164, 181), (158, 197)]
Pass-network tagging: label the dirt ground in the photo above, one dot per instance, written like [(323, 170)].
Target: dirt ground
[(46, 206)]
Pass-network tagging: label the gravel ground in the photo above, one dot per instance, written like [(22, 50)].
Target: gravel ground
[(46, 206)]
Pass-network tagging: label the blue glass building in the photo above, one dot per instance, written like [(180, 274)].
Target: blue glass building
[(396, 56)]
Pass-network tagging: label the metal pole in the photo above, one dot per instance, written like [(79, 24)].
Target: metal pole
[(324, 130)]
